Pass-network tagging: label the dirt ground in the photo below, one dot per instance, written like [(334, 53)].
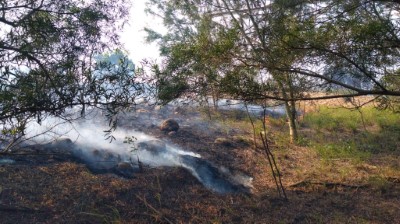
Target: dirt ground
[(51, 188)]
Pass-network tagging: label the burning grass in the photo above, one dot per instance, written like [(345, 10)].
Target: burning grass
[(326, 181)]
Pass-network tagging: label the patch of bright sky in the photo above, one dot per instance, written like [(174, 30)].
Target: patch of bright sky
[(133, 35)]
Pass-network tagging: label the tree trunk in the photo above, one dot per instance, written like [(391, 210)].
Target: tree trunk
[(215, 98), (290, 107), (291, 114)]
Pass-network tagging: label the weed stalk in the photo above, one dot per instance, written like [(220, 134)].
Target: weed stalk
[(271, 160)]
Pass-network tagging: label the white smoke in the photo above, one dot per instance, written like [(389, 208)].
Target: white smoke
[(88, 143), (89, 135)]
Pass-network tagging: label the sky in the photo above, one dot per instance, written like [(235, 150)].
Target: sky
[(133, 35)]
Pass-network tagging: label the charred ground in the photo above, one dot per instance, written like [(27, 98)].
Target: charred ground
[(54, 188)]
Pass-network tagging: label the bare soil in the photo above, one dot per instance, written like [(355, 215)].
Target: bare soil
[(42, 188)]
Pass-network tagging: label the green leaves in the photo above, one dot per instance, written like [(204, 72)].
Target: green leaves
[(338, 44), (47, 62)]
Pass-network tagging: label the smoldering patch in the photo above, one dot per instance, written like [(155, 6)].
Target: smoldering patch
[(84, 140)]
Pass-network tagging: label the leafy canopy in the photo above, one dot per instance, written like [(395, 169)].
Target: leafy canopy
[(311, 45), (49, 59)]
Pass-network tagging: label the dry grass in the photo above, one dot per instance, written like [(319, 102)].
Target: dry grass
[(48, 189)]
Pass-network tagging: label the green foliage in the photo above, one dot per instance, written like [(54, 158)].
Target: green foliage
[(197, 50), (242, 83), (392, 80), (281, 50), (48, 64), (352, 43), (171, 89)]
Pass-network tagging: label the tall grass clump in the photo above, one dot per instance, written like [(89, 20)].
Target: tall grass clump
[(341, 133), (388, 121), (333, 119), (345, 150), (343, 119)]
